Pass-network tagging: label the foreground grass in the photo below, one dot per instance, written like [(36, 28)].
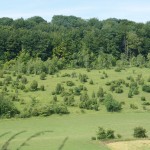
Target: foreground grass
[(69, 132)]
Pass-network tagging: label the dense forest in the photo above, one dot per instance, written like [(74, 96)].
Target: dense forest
[(74, 41)]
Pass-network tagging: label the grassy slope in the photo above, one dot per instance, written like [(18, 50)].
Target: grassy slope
[(77, 127), (95, 75)]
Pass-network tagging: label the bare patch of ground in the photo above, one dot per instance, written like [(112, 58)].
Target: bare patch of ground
[(130, 145)]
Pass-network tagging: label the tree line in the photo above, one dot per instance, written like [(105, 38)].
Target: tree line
[(75, 41)]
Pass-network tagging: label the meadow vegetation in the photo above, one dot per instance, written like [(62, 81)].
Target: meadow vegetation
[(64, 79)]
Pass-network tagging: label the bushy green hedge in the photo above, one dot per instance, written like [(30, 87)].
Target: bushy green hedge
[(7, 108)]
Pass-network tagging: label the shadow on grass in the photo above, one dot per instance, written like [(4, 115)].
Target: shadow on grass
[(63, 143)]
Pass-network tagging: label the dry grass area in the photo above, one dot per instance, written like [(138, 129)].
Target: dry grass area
[(130, 145)]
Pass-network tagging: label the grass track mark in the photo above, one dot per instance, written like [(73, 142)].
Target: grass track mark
[(4, 134), (63, 143), (31, 137), (6, 144)]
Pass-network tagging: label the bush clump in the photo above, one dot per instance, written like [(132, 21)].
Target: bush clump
[(139, 132), (43, 76), (7, 107), (70, 83), (111, 104), (146, 88), (102, 134), (34, 85)]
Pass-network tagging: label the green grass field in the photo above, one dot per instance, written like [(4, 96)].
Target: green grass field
[(74, 131), (77, 129)]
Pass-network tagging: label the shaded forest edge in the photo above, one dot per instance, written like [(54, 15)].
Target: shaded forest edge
[(74, 41)]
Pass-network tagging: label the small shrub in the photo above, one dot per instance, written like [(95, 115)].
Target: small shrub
[(143, 98), (91, 82), (65, 75), (108, 83), (110, 134), (118, 90), (7, 80), (100, 92), (133, 106), (101, 134), (42, 88), (59, 89), (111, 104), (146, 88), (43, 76), (24, 80), (146, 103), (139, 132), (118, 69), (119, 136), (130, 94), (93, 138), (34, 85), (83, 78), (70, 83), (55, 98), (1, 83)]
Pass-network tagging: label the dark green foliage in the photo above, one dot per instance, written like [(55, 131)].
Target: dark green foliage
[(42, 88), (146, 88), (34, 85), (58, 89), (69, 100), (100, 92), (135, 91), (91, 82), (110, 134), (7, 108), (24, 80), (70, 83), (118, 69), (146, 103), (93, 138), (43, 76), (130, 94), (65, 75), (1, 83), (143, 98), (55, 98), (83, 77), (139, 132), (1, 74), (7, 80), (102, 134), (77, 90), (111, 104), (87, 103), (148, 80), (133, 106), (118, 90)]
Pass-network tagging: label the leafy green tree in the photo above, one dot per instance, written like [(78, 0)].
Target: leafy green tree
[(111, 104)]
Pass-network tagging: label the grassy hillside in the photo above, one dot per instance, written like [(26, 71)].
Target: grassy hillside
[(73, 131)]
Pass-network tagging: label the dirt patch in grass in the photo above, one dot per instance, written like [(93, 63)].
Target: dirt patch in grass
[(130, 145)]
